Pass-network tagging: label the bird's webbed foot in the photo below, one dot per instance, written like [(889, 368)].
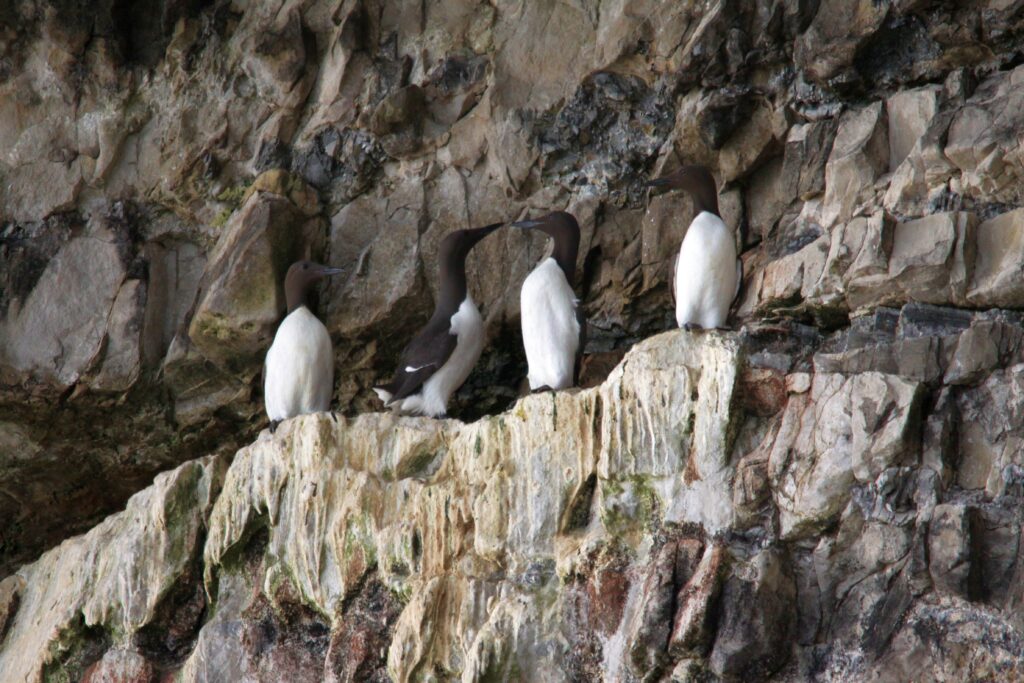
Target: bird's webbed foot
[(273, 425)]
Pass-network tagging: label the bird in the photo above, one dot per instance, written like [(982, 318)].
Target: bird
[(299, 371), (440, 357), (707, 272), (554, 326)]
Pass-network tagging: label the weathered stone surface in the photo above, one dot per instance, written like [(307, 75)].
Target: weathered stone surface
[(120, 666), (111, 580), (56, 334), (758, 615), (997, 270), (844, 430), (922, 181), (162, 162), (992, 414), (910, 113), (949, 551), (582, 534), (241, 297), (834, 36), (980, 142), (11, 589), (693, 628), (986, 646), (931, 257), (860, 153), (872, 261)]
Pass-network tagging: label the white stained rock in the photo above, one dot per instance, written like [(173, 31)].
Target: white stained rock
[(418, 498), (672, 435), (845, 430), (493, 540), (115, 575)]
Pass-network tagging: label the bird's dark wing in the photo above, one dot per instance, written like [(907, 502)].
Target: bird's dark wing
[(739, 280), (425, 354), (581, 318)]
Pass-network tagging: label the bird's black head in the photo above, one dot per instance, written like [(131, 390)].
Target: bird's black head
[(697, 181), (454, 249), (456, 245), (301, 276), (565, 230)]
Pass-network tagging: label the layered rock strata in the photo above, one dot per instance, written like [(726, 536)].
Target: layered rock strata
[(831, 493), (722, 507), (164, 161)]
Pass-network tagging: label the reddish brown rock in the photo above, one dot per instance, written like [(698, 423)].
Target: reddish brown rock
[(358, 647), (120, 666), (693, 623), (762, 391)]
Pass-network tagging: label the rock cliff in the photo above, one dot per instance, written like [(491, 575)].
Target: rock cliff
[(723, 506), (831, 492)]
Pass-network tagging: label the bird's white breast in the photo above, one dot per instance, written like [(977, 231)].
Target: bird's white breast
[(300, 367), (705, 273), (551, 332)]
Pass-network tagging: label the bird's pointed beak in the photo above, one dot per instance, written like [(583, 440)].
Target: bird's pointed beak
[(476, 234), (325, 271), (658, 186), (527, 225)]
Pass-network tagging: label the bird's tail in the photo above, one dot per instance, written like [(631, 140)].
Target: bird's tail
[(384, 395)]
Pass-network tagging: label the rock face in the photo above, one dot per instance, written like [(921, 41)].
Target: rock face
[(660, 526), (831, 493)]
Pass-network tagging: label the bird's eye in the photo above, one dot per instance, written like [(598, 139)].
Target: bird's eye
[(305, 266)]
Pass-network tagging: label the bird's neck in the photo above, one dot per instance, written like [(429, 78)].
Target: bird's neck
[(704, 196), (564, 254), (296, 304), (296, 296), (453, 288)]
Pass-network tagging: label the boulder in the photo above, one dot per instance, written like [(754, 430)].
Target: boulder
[(57, 333), (241, 297), (996, 280), (910, 114), (860, 153), (949, 551), (758, 618), (980, 142)]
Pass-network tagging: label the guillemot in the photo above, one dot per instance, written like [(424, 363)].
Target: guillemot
[(299, 372), (439, 359), (707, 273), (554, 326)]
